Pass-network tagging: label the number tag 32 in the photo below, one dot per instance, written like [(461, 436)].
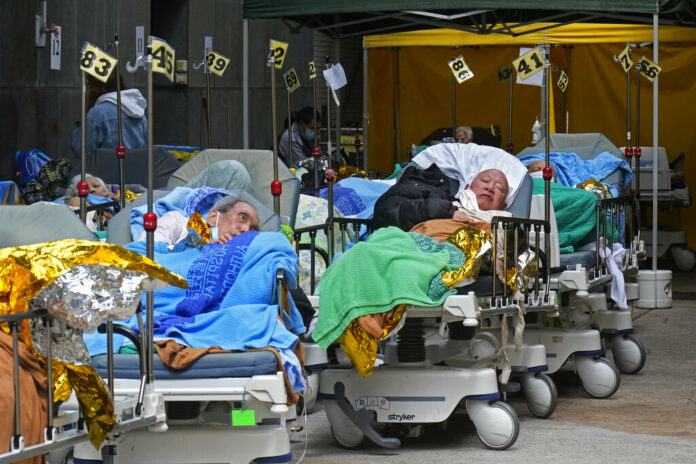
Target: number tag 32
[(460, 70), (96, 62), (217, 63), (162, 58)]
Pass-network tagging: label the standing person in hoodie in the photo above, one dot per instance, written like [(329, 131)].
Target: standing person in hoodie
[(101, 121)]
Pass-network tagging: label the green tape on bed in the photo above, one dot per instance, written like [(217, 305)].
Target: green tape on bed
[(243, 417)]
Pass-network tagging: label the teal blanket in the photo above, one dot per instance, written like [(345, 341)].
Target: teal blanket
[(390, 268)]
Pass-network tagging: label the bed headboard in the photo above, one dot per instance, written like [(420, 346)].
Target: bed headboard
[(521, 205), (40, 222)]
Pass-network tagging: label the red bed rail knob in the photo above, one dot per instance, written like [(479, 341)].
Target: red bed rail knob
[(315, 152), (547, 173), (120, 151), (330, 175), (509, 147), (149, 221), (276, 187), (357, 144), (637, 152), (82, 189), (629, 152)]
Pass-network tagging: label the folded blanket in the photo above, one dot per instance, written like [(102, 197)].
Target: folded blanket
[(572, 170), (392, 267), (355, 196)]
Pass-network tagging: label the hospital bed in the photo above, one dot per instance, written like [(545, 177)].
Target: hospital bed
[(358, 408), (582, 279), (65, 425)]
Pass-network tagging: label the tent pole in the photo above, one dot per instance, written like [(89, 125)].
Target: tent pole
[(628, 109), (366, 116), (510, 147), (397, 131), (454, 107), (656, 46), (245, 83), (337, 54)]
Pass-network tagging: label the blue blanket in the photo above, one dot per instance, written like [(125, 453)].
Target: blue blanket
[(183, 200), (355, 196), (572, 170), (226, 304)]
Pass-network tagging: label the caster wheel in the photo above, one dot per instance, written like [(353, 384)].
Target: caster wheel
[(629, 354), (540, 393), (497, 424), (600, 378), (343, 430), (684, 258)]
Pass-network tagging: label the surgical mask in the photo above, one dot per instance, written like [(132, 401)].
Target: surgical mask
[(309, 134), (537, 174), (214, 233)]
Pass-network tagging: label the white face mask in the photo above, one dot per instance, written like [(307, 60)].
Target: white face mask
[(214, 234), (536, 175)]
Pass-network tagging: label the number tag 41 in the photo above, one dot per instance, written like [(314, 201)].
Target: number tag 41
[(529, 63), (162, 58), (217, 63), (291, 80), (96, 62), (460, 70), (648, 69)]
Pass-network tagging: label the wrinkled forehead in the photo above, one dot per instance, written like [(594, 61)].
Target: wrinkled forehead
[(243, 207), (494, 174)]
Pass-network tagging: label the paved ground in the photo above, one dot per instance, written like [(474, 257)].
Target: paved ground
[(652, 417)]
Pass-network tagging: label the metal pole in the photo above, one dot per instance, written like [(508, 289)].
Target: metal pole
[(290, 153), (207, 96), (315, 151), (656, 46), (83, 169), (337, 54), (150, 233), (366, 115), (454, 107), (628, 109), (547, 181), (510, 145), (245, 83), (567, 112), (120, 150), (638, 151), (276, 198), (17, 394), (328, 122)]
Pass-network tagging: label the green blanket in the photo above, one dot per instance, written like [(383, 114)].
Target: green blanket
[(392, 267), (575, 214)]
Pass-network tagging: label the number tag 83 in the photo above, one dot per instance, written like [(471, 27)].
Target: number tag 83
[(460, 70), (217, 63), (162, 58), (96, 62)]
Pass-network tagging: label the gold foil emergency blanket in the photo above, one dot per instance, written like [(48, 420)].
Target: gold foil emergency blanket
[(528, 264), (596, 187), (361, 347), (198, 225), (471, 242), (350, 171), (130, 196), (25, 270)]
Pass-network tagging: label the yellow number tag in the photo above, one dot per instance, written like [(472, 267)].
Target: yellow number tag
[(162, 58), (625, 58), (217, 63), (529, 63), (648, 69), (460, 70), (312, 70), (292, 83), (280, 49), (504, 74), (563, 81), (97, 62)]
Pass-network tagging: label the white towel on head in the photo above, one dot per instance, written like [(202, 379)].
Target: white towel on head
[(464, 161)]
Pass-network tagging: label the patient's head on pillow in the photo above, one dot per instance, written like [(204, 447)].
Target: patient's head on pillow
[(231, 216), (491, 188), (536, 170)]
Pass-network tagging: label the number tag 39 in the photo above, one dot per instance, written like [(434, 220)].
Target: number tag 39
[(162, 58), (217, 63), (460, 70), (291, 81), (97, 62)]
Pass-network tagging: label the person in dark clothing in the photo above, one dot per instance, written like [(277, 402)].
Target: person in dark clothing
[(418, 196)]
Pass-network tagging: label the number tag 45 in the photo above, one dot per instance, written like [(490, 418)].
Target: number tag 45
[(162, 58), (460, 70), (217, 63), (96, 62)]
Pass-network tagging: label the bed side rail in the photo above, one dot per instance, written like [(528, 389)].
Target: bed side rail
[(621, 217)]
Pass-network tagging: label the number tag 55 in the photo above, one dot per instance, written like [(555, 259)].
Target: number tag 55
[(97, 62)]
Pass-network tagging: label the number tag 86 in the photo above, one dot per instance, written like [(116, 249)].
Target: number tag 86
[(96, 62)]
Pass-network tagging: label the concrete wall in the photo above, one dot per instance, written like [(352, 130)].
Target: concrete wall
[(39, 106)]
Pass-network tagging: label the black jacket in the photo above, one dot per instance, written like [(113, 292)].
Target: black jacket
[(418, 196)]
